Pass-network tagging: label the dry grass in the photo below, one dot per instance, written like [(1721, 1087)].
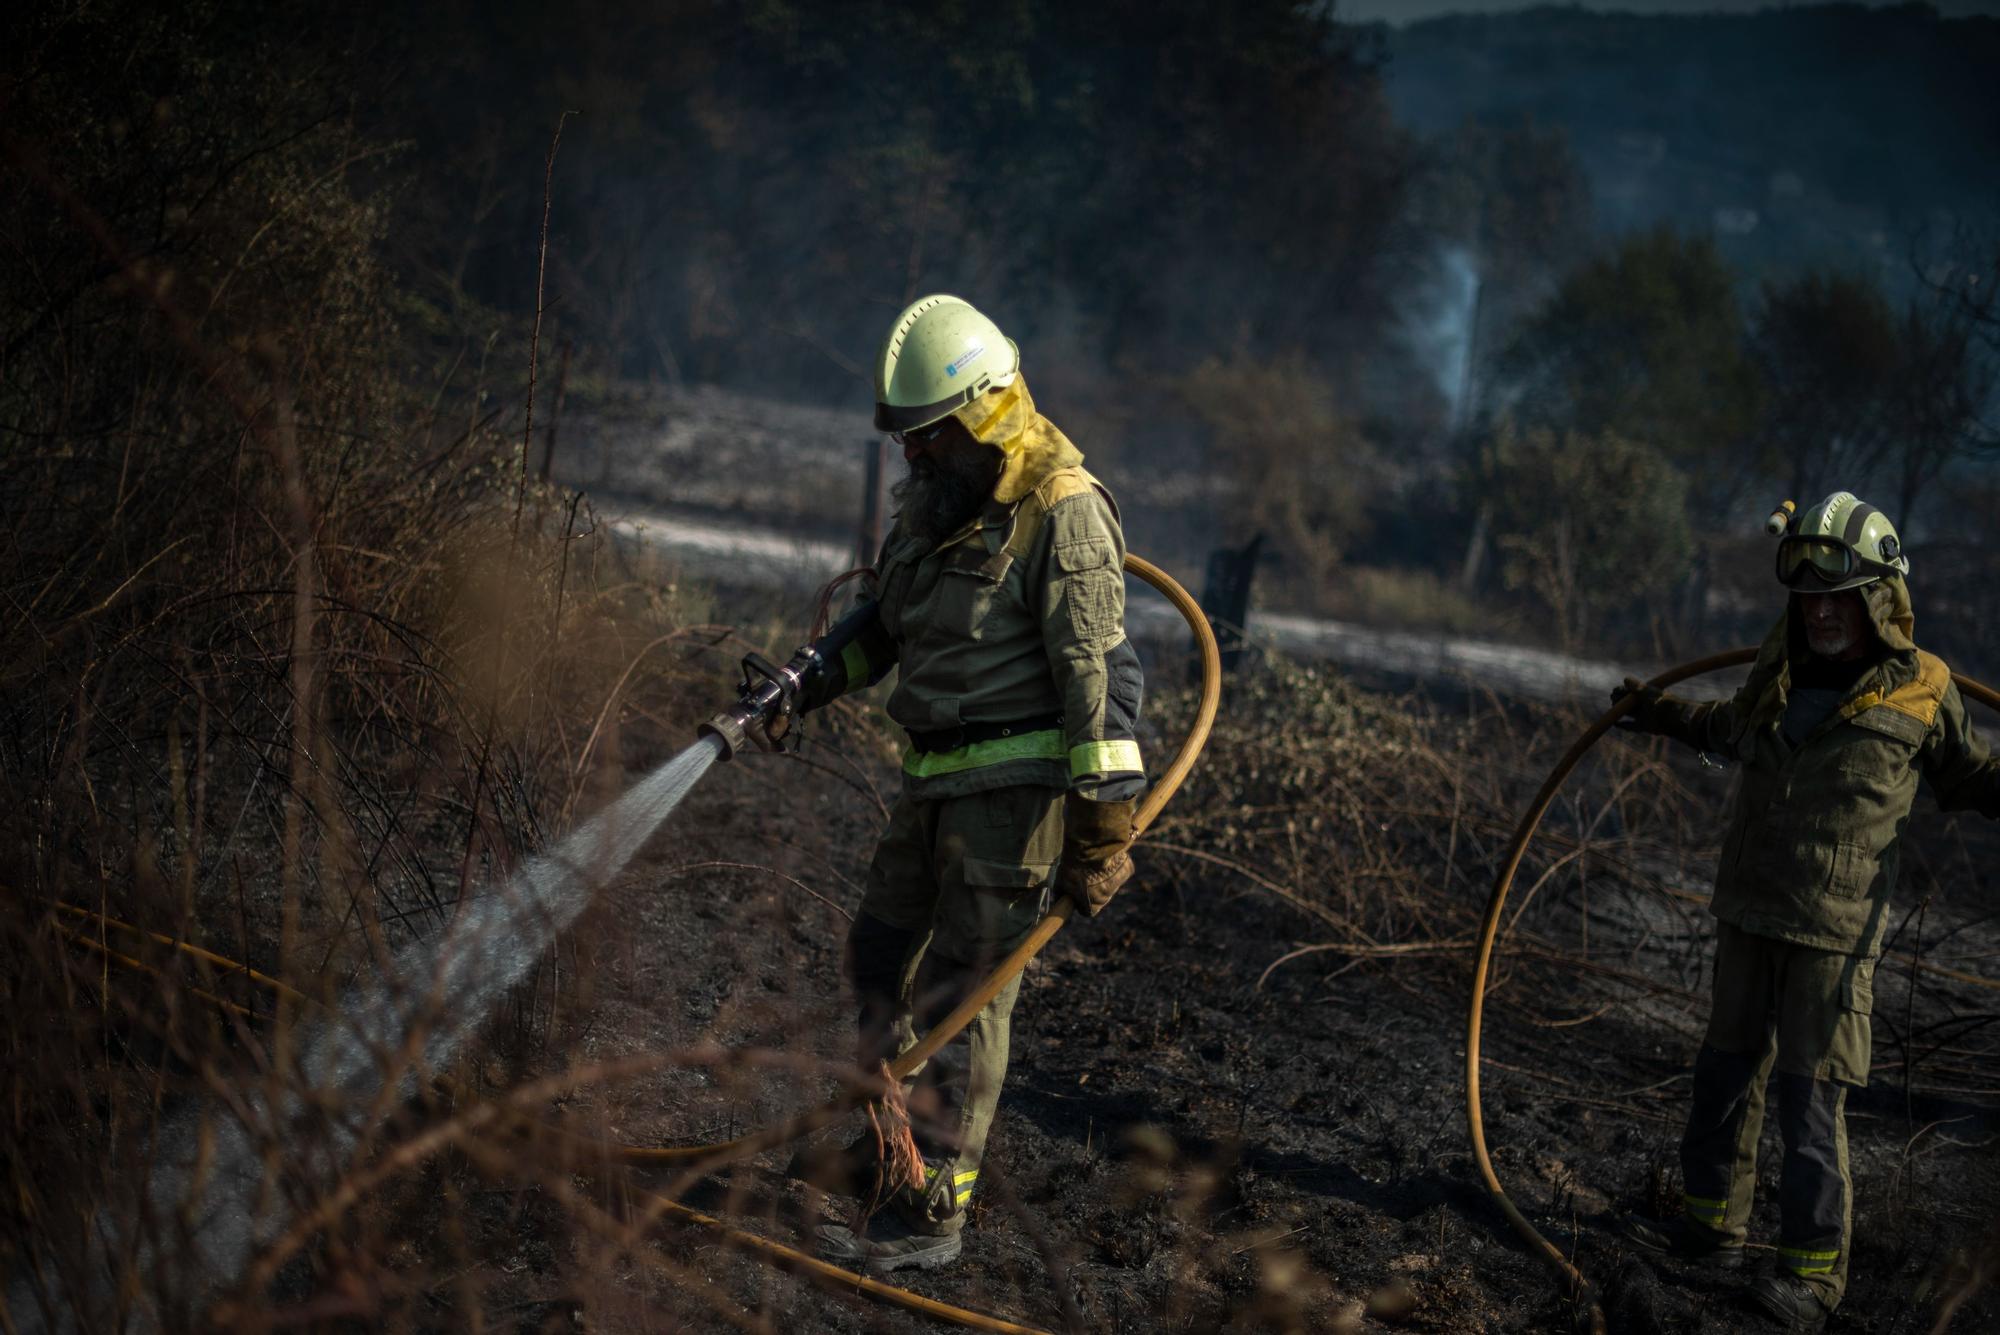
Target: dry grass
[(297, 661)]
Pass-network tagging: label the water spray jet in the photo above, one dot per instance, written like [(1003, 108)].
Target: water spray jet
[(213, 1170), (434, 994)]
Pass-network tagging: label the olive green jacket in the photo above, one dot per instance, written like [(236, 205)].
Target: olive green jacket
[(1816, 830), (1017, 617)]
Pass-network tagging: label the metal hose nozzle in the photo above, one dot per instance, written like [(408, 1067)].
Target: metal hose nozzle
[(768, 693)]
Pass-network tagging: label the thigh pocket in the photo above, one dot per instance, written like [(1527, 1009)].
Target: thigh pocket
[(995, 876), (1852, 1048), (1854, 871), (998, 904)]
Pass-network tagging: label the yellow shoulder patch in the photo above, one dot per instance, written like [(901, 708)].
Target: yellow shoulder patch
[(1059, 486), (1921, 699), (1062, 484)]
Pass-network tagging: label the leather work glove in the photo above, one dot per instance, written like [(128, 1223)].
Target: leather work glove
[(1640, 718), (1094, 861)]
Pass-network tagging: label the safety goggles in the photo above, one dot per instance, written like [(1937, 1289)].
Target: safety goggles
[(1806, 561), (922, 437)]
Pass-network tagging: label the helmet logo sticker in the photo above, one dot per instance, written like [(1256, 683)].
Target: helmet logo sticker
[(964, 359)]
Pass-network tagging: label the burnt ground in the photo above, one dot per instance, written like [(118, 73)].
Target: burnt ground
[(1180, 1148)]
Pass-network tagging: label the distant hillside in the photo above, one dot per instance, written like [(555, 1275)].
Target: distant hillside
[(1802, 135)]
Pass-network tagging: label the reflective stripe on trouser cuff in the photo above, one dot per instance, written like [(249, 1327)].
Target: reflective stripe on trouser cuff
[(961, 1183), (855, 659), (1807, 1261), (1705, 1211), (1046, 744), (1119, 757)]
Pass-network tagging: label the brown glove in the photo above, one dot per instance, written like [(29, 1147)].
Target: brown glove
[(1094, 861)]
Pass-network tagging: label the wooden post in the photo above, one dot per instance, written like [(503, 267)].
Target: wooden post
[(1226, 598), (874, 502), (555, 415), (1475, 549)]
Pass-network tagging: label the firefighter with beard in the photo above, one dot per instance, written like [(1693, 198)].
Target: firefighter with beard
[(1840, 717), (999, 598)]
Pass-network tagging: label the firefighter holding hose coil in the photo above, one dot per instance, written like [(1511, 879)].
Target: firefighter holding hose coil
[(1840, 717), (999, 600)]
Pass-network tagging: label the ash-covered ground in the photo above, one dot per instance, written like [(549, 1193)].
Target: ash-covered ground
[(1236, 1100), (1194, 1140)]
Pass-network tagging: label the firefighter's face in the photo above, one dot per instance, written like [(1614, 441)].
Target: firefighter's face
[(950, 476), (1836, 623)]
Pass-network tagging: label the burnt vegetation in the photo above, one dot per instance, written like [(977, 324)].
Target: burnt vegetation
[(300, 656)]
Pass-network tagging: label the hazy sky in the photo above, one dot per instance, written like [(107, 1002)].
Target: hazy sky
[(1403, 11)]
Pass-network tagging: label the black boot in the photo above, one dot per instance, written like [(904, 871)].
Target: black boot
[(1679, 1239), (1791, 1302), (888, 1242)]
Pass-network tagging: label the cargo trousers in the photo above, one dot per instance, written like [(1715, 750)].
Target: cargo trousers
[(956, 883), (1805, 1013)]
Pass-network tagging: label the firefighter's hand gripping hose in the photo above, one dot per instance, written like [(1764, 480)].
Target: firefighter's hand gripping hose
[(1580, 1288), (772, 694)]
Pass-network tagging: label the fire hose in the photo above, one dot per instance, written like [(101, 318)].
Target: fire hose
[(1580, 1288), (763, 698)]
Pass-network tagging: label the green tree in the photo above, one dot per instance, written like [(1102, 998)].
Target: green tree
[(1646, 343), (1828, 350), (1593, 527), (749, 193), (1859, 397), (1943, 389)]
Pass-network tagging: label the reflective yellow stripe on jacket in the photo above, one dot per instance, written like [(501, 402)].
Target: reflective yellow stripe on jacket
[(1113, 757), (1046, 744), (854, 659)]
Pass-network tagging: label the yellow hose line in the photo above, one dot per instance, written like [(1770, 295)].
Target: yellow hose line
[(84, 939), (836, 1278), (833, 1276), (221, 962), (1489, 930), (1149, 809)]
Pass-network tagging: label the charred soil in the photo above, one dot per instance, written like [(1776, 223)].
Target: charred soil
[(1193, 1139)]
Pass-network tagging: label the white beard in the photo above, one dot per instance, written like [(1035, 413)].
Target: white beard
[(1830, 642)]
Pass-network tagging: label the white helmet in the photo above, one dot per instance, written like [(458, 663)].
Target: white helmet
[(940, 355), (1841, 543)]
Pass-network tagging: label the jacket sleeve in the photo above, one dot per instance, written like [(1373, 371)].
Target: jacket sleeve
[(1703, 724), (856, 653), (1955, 758), (1083, 631), (1716, 726), (1706, 725)]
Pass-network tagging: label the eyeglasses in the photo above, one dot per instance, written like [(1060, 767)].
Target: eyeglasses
[(1803, 561), (922, 437)]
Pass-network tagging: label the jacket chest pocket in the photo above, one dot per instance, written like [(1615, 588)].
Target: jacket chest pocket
[(1876, 752), (893, 592), (971, 587)]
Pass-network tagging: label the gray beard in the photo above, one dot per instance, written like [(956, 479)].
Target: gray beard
[(935, 500)]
